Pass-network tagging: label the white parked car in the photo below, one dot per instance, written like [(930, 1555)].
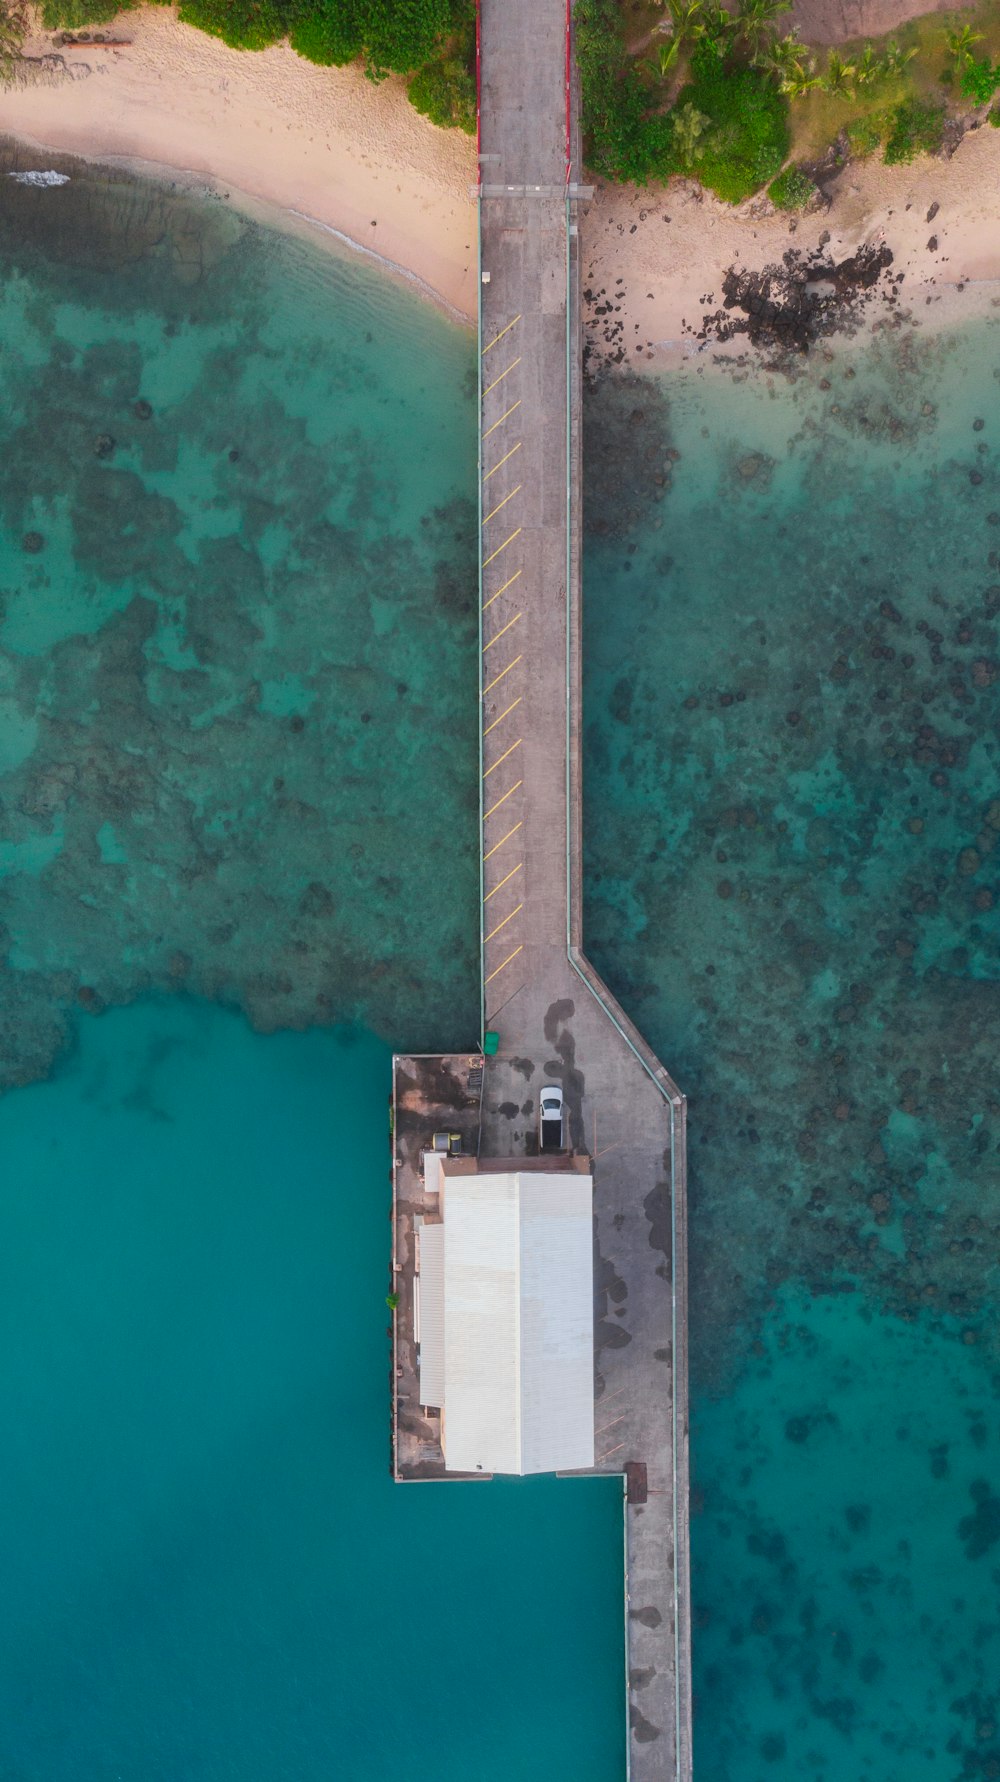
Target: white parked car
[(551, 1118)]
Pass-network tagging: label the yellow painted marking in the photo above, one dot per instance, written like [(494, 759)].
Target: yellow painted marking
[(503, 503), (501, 334), (502, 590), (502, 547), (502, 419), (503, 758), (499, 969), (503, 461), (499, 380), (503, 882), (502, 633), (495, 682), (504, 838), (503, 715), (495, 931), (503, 800)]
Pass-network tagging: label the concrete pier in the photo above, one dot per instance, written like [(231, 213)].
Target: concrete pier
[(556, 1020)]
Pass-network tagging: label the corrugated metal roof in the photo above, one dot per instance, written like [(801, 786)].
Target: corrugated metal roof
[(519, 1322), (430, 1286)]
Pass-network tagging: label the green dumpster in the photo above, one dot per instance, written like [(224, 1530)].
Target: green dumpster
[(491, 1045)]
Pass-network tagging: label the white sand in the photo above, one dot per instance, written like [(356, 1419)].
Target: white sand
[(357, 158), (322, 141), (682, 261)]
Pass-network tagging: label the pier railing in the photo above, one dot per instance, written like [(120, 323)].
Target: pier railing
[(598, 989)]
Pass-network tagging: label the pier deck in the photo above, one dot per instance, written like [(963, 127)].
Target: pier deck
[(555, 1019)]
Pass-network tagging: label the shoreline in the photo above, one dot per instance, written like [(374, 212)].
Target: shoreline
[(284, 218), (325, 153), (266, 129)]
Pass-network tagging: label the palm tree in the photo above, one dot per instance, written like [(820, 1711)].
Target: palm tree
[(869, 68), (960, 45), (784, 57), (718, 25), (682, 24), (689, 127), (838, 76), (799, 82), (684, 14), (756, 17), (894, 58), (665, 59)]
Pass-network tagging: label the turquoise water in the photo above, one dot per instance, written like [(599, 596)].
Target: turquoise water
[(208, 1571), (238, 734), (793, 781), (237, 726), (236, 605)]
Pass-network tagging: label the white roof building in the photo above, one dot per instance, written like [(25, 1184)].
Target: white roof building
[(507, 1320)]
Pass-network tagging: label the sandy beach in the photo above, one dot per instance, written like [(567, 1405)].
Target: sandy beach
[(329, 145), (323, 142), (939, 218)]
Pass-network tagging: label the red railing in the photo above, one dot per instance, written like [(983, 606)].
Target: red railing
[(479, 144), (569, 87)]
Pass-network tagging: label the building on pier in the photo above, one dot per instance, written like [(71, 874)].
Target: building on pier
[(505, 1314)]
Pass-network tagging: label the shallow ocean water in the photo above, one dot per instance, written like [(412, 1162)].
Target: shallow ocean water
[(237, 767), (238, 764), (235, 611), (793, 860)]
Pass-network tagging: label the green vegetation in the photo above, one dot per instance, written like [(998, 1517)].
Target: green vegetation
[(792, 190), (623, 141), (710, 93), (445, 92), (77, 15), (980, 79), (729, 120), (994, 117), (960, 45), (432, 40), (864, 136), (13, 24), (746, 137), (245, 24), (917, 128)]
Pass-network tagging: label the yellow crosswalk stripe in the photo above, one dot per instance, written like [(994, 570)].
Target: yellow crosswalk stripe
[(495, 682), (503, 924), (502, 759), (504, 460), (503, 418), (503, 800), (503, 882), (499, 969), (501, 334), (504, 838), (504, 373), (503, 503), (502, 590)]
